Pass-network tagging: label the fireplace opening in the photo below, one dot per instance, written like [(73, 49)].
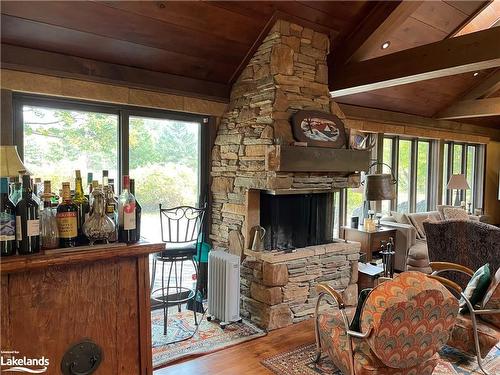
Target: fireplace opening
[(296, 220)]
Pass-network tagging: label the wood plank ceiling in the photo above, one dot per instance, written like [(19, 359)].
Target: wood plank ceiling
[(200, 47)]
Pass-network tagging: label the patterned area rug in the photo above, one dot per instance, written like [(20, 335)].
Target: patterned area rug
[(209, 338), (301, 362)]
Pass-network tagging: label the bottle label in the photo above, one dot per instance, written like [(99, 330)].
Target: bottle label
[(33, 228), (129, 216), (7, 226), (19, 230), (67, 224)]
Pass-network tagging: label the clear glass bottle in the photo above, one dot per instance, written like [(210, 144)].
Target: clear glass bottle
[(49, 233), (16, 193), (111, 210), (138, 210), (98, 227), (126, 214)]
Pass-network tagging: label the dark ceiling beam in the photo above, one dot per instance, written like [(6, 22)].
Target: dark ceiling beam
[(471, 52), (373, 30), (485, 88), (51, 63), (471, 108), (397, 118)]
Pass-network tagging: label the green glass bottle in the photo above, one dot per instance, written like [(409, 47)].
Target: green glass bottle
[(82, 203), (67, 219)]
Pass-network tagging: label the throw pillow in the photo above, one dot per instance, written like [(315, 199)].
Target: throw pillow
[(455, 213), (389, 219), (400, 217), (440, 208), (476, 288), (417, 220), (492, 301)]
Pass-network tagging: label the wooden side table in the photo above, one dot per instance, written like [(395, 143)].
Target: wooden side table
[(370, 241)]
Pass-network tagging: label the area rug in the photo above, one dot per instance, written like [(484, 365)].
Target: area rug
[(209, 337), (301, 362)]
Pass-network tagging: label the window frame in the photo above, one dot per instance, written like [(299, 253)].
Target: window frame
[(123, 112)]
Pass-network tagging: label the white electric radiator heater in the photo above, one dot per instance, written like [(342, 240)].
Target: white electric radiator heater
[(223, 287)]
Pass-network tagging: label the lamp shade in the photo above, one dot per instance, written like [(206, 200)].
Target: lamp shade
[(379, 187), (10, 162), (458, 181)]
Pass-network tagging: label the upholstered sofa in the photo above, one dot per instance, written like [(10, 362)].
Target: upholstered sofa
[(411, 242)]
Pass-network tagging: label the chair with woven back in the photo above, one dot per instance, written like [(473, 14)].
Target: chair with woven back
[(402, 324)]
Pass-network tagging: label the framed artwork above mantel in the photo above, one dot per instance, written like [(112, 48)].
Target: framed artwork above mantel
[(319, 129)]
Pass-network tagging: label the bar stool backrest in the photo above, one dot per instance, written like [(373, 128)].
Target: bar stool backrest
[(182, 224)]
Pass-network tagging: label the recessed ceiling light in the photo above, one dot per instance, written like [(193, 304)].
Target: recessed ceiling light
[(476, 74), (386, 45)]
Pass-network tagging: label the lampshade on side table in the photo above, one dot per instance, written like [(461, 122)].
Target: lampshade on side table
[(10, 162), (458, 182)]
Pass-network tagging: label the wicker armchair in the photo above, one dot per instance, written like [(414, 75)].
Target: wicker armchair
[(404, 322), (477, 331)]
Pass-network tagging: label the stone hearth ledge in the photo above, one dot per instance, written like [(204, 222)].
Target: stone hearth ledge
[(346, 247)]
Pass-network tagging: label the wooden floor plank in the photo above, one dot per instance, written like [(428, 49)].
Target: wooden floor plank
[(244, 359)]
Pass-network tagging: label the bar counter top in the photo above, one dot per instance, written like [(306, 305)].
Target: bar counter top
[(81, 254)]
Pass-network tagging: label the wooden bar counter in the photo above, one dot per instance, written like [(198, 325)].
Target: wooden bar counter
[(49, 302)]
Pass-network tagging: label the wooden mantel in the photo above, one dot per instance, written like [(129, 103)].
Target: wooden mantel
[(50, 302)]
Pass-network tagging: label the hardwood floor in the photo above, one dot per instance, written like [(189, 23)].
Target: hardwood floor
[(244, 359)]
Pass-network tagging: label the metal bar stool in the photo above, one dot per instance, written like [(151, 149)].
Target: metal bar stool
[(181, 231)]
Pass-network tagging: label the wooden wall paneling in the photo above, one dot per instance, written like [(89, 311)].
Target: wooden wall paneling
[(468, 7), (6, 128), (440, 15), (5, 326)]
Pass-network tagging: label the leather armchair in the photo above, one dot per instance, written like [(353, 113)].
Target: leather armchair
[(403, 323)]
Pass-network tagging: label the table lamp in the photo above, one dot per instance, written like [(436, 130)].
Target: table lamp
[(10, 162), (458, 182)]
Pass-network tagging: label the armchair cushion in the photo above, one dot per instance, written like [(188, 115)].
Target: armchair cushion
[(404, 314), (462, 336), (492, 301), (477, 287)]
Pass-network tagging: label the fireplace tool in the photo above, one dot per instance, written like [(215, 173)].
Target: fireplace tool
[(387, 258)]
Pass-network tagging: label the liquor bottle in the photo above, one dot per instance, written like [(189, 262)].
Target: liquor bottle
[(90, 177), (67, 221), (36, 198), (16, 193), (111, 210), (7, 220), (82, 203), (27, 221), (49, 233), (105, 175), (126, 214), (138, 210)]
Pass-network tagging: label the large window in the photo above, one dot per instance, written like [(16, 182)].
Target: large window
[(164, 159), (404, 176), (159, 149), (422, 176), (467, 159), (58, 141)]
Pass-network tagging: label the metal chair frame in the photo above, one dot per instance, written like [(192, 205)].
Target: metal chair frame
[(324, 291), (193, 217), (453, 267)]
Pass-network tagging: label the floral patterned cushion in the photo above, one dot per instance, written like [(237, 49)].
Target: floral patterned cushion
[(462, 336), (367, 363), (411, 317), (492, 301)]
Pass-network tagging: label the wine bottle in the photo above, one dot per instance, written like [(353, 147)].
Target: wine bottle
[(90, 177), (138, 210), (67, 221), (7, 220), (27, 221), (35, 197), (111, 210), (49, 233), (126, 214), (16, 193), (82, 203), (105, 175)]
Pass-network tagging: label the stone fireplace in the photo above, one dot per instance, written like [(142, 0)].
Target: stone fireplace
[(260, 177)]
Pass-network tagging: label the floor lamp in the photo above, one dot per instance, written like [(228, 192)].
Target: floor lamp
[(458, 182)]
